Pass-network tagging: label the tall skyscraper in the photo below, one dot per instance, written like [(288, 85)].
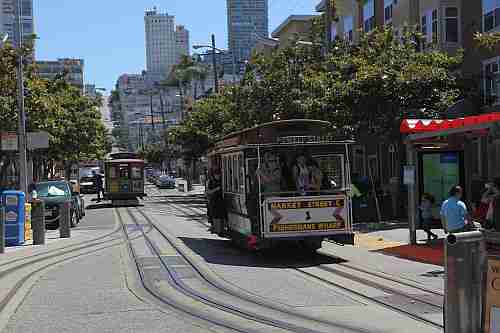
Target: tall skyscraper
[(246, 20), (161, 46), (7, 18), (182, 41)]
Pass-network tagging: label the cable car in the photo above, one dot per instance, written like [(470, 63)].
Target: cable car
[(283, 181), (124, 181)]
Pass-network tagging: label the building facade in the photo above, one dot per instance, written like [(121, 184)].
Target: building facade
[(8, 24), (161, 45), (182, 41), (246, 19), (72, 68), (143, 105)]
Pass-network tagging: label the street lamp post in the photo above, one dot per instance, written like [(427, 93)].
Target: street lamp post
[(214, 63), (21, 131), (213, 48)]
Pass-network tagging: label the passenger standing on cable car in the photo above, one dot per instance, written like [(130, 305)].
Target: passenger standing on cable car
[(301, 175), (216, 203)]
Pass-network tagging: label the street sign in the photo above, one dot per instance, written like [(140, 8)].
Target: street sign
[(9, 141), (38, 140)]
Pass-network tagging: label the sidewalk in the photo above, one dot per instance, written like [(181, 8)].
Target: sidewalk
[(395, 242)]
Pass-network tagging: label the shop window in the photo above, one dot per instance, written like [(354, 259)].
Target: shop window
[(451, 24), (393, 161)]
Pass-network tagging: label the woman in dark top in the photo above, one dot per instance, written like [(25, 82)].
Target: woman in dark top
[(216, 202)]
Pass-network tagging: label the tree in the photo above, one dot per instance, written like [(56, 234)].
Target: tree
[(364, 88)]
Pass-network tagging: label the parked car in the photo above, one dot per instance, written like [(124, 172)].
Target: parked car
[(165, 181), (54, 194)]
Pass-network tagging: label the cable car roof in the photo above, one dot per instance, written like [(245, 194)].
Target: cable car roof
[(125, 161), (283, 132)]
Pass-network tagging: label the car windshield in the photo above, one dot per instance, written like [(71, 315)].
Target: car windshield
[(52, 190)]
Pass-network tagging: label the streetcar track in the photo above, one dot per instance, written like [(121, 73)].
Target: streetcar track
[(171, 303), (412, 284), (364, 281), (250, 297), (387, 305), (218, 304)]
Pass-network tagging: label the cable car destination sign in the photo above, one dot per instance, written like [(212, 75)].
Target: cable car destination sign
[(289, 216)]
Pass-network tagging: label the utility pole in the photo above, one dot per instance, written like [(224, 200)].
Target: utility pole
[(214, 64), (21, 131), (162, 112), (151, 110), (328, 23)]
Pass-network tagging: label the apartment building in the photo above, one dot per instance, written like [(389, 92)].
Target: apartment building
[(72, 68), (8, 24), (182, 41), (449, 25)]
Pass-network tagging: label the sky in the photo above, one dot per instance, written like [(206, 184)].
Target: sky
[(109, 34)]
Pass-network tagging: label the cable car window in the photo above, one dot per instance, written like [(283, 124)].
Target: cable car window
[(113, 172), (300, 171), (124, 171), (136, 172)]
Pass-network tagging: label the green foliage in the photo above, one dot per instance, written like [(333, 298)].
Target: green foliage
[(72, 120), (360, 89)]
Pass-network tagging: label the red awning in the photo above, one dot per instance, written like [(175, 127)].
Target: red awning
[(411, 126)]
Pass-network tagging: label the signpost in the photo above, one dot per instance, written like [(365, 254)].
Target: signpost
[(9, 141)]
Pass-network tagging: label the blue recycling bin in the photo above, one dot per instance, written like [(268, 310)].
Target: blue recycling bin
[(15, 215)]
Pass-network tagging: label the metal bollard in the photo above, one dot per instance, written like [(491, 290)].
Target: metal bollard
[(2, 229), (38, 222), (65, 220), (465, 257)]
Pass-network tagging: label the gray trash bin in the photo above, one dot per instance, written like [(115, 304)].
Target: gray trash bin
[(465, 260)]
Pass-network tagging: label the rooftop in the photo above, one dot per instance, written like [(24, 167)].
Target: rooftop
[(292, 18)]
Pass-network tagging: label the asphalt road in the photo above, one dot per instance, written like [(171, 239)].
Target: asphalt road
[(93, 294), (101, 292)]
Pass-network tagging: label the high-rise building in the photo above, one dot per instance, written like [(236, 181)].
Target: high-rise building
[(246, 19), (8, 22), (71, 68), (182, 41), (161, 47)]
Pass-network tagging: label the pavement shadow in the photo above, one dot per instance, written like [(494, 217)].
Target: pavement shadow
[(286, 255), (99, 206)]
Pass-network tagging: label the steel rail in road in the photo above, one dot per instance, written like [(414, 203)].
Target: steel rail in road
[(188, 291), (380, 302), (253, 299), (388, 277), (390, 290), (243, 294)]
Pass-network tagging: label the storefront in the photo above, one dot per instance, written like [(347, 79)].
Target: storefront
[(444, 153)]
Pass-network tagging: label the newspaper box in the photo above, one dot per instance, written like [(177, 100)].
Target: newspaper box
[(15, 218)]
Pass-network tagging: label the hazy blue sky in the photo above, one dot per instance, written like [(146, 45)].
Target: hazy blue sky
[(109, 34)]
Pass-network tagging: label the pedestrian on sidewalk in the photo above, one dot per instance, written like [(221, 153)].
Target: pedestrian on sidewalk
[(426, 215), (454, 215), (216, 212), (98, 185)]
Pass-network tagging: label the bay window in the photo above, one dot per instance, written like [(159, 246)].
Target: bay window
[(388, 11), (491, 14), (368, 15)]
